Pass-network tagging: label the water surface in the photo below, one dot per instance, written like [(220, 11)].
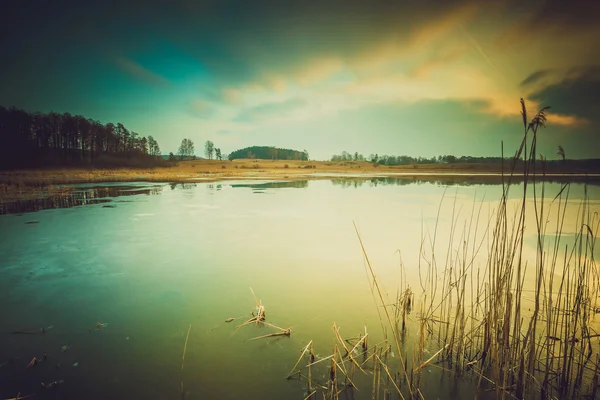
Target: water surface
[(164, 256)]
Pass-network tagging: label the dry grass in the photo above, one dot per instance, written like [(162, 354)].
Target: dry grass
[(185, 170)]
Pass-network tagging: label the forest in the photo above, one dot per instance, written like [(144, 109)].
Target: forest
[(37, 140), (268, 153)]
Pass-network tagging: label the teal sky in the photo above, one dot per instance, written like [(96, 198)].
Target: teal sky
[(420, 78)]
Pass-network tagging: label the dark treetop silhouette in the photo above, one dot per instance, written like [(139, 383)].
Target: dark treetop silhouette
[(33, 140)]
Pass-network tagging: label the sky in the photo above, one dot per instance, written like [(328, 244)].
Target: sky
[(396, 77)]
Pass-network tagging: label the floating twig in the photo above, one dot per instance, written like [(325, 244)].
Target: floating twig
[(19, 397), (299, 359), (185, 346), (285, 332), (32, 363), (432, 357)]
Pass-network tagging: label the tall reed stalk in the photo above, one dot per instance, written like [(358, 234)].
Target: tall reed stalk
[(519, 323)]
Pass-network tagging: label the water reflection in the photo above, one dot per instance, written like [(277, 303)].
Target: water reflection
[(273, 185), (191, 255), (462, 180), (181, 185), (84, 194), (76, 197)]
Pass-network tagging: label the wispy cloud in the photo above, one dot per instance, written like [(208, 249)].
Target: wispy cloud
[(202, 109), (572, 93), (566, 120), (236, 74), (138, 71), (270, 111), (536, 77), (442, 60)]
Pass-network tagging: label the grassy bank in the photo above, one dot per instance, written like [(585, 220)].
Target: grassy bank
[(184, 171)]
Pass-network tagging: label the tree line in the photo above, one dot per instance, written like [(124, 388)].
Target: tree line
[(562, 164), (268, 153), (51, 139), (408, 160)]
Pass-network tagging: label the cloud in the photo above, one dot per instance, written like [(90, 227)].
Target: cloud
[(231, 96), (139, 72), (317, 70), (556, 17), (535, 77), (569, 15), (308, 41), (272, 61), (585, 72), (566, 120), (574, 97), (439, 60), (202, 109), (270, 111)]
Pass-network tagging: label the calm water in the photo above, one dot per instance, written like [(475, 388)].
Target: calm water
[(148, 260)]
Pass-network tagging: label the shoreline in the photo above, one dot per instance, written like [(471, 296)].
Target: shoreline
[(30, 184)]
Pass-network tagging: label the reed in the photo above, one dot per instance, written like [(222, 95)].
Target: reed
[(518, 324), (519, 339)]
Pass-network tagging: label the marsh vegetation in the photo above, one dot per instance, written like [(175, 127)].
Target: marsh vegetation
[(519, 327), (471, 290)]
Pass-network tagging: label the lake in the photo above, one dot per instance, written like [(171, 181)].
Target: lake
[(118, 273)]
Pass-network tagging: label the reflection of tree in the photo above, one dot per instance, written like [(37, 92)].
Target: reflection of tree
[(372, 181), (462, 180), (273, 185), (414, 179), (182, 185), (349, 182), (76, 197)]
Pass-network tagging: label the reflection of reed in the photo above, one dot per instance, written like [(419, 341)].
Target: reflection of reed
[(76, 197)]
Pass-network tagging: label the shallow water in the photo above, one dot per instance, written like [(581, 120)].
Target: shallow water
[(170, 255)]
